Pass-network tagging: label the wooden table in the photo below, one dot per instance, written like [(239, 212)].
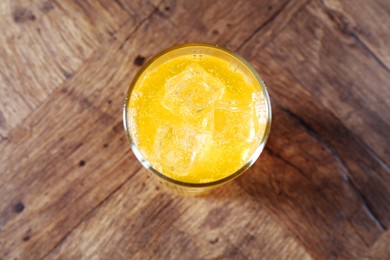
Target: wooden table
[(70, 187)]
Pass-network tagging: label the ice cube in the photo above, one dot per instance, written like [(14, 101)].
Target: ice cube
[(179, 146), (192, 92)]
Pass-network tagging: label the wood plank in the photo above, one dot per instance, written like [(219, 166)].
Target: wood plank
[(274, 25), (81, 161), (329, 64), (367, 21), (168, 226), (330, 189), (309, 191), (43, 43), (45, 189), (219, 23)]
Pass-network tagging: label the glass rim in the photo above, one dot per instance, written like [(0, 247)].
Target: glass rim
[(228, 178)]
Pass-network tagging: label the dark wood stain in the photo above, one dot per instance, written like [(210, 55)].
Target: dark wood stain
[(22, 15), (117, 128), (214, 241), (235, 253), (216, 217), (85, 103), (68, 75), (3, 121), (162, 12), (139, 60), (19, 207), (47, 6)]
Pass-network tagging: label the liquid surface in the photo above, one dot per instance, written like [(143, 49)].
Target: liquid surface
[(197, 119)]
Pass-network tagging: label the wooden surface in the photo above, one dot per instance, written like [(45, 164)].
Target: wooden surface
[(70, 187)]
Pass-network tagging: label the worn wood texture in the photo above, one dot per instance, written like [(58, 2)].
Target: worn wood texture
[(70, 187)]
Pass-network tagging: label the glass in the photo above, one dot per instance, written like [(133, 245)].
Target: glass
[(173, 101)]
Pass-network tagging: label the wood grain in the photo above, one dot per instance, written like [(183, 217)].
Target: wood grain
[(354, 182), (50, 40), (367, 22), (165, 226), (335, 80), (70, 187)]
